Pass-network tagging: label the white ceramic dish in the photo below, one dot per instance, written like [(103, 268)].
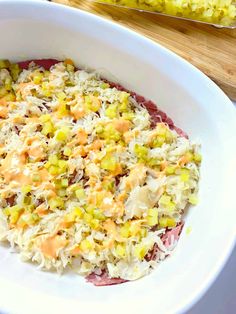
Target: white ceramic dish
[(41, 30)]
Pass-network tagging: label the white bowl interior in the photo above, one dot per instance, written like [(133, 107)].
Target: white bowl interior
[(191, 100)]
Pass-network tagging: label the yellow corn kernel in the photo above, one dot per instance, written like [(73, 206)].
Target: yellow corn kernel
[(124, 97), (184, 175), (27, 200), (57, 183), (125, 230), (37, 78), (46, 89), (152, 217), (74, 215), (73, 187), (26, 189), (124, 102), (111, 111), (15, 208), (80, 194), (47, 92), (64, 183), (94, 224), (62, 165), (134, 229), (128, 116), (29, 219), (110, 149), (47, 128), (141, 151), (78, 212), (15, 212), (153, 162), (53, 170), (45, 118), (86, 245), (140, 251), (189, 156), (165, 222), (67, 151), (161, 129), (92, 103), (197, 157), (53, 160), (98, 215), (164, 199), (109, 163), (70, 217), (62, 110), (104, 85), (193, 199), (170, 170), (158, 141), (29, 208), (90, 210), (143, 232), (87, 218), (6, 211), (61, 96), (56, 202), (14, 217), (171, 206), (99, 129), (47, 165), (62, 134), (111, 133), (120, 251)]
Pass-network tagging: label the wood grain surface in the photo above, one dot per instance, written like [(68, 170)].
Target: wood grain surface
[(211, 49)]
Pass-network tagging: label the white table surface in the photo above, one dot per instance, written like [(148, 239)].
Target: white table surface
[(221, 297)]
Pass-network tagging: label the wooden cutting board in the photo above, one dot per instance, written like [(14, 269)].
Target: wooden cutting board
[(211, 49)]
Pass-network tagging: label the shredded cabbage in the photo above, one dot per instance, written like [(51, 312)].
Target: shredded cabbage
[(85, 181)]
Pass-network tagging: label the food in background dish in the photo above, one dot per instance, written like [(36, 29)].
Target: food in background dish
[(92, 177), (212, 11)]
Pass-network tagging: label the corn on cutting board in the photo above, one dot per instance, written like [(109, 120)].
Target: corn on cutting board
[(211, 49)]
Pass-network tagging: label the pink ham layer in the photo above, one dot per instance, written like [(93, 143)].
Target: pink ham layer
[(170, 236), (157, 116), (103, 279)]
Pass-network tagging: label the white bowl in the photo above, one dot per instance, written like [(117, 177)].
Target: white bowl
[(43, 30)]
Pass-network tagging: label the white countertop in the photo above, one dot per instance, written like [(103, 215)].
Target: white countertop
[(221, 297)]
